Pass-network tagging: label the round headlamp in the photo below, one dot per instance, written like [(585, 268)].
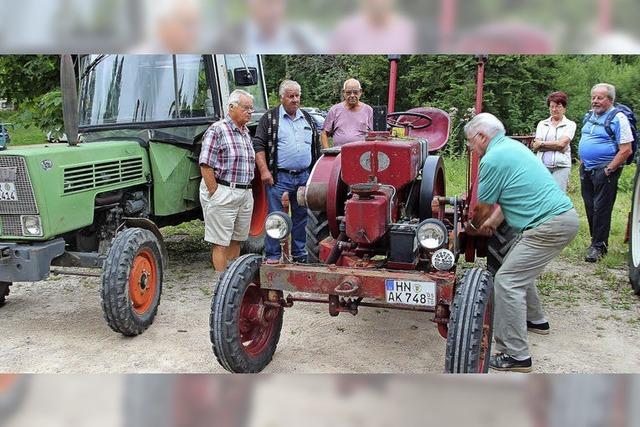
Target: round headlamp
[(31, 225), (432, 234), (278, 225)]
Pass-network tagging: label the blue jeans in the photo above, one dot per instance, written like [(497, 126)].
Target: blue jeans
[(288, 183)]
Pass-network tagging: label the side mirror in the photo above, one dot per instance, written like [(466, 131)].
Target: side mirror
[(245, 76)]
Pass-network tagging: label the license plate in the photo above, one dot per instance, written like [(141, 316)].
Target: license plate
[(8, 191), (410, 292)]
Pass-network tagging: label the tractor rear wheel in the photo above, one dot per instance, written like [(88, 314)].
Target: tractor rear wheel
[(244, 331), (132, 281), (317, 230), (499, 245), (634, 238), (4, 292), (253, 245), (471, 324)]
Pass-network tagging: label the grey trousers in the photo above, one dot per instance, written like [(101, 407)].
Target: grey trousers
[(516, 296), (561, 176)]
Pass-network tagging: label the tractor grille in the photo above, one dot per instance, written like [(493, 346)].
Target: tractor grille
[(10, 225), (14, 169), (96, 175)]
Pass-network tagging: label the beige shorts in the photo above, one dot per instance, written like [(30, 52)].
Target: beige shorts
[(227, 214)]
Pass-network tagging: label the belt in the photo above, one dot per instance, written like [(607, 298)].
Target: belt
[(293, 172), (233, 184)]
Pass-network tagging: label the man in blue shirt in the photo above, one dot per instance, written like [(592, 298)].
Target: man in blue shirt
[(602, 161), (287, 145), (529, 200)]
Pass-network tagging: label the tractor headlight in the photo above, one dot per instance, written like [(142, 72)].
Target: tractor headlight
[(278, 225), (31, 225), (443, 259), (432, 234)]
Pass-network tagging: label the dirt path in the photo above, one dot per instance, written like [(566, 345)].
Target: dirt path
[(56, 326)]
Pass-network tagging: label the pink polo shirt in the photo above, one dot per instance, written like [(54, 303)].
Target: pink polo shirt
[(346, 125)]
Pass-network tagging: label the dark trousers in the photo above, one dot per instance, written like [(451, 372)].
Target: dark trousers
[(599, 194)]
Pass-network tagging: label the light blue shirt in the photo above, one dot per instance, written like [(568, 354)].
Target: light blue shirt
[(596, 148), (294, 141), (513, 177)]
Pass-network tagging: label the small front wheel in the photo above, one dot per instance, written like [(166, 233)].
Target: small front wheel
[(132, 281), (471, 324), (244, 328)]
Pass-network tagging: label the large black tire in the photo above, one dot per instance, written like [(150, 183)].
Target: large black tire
[(132, 281), (317, 230), (471, 324), (4, 292), (499, 245), (244, 332), (634, 237)]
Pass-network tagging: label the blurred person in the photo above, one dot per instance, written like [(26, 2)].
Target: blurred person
[(175, 27), (267, 31), (349, 120), (602, 159), (530, 201), (287, 145), (376, 28), (227, 163), (552, 142)]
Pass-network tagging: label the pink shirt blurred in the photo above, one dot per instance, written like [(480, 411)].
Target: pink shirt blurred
[(346, 125), (358, 35)]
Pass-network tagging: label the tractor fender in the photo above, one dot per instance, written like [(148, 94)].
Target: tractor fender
[(433, 184), (147, 224)]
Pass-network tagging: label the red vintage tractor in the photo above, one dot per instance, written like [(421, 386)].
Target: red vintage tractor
[(381, 233)]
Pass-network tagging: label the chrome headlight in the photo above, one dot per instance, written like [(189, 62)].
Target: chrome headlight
[(278, 225), (31, 225), (443, 259), (432, 234)]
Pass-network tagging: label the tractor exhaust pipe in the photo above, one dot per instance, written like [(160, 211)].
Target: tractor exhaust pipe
[(68, 85)]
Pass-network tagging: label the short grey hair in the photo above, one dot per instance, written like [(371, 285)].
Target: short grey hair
[(486, 123), (611, 90), (344, 86), (288, 84), (234, 97)]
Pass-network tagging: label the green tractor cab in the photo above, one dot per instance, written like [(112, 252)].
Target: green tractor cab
[(99, 203)]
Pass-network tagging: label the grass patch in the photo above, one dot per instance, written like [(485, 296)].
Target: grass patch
[(22, 134)]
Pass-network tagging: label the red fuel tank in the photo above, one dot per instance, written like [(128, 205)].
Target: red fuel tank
[(392, 161), (366, 218)]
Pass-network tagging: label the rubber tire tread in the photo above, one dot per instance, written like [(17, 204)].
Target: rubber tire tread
[(634, 272), (4, 292), (499, 245), (225, 311), (116, 305), (465, 323), (317, 230)]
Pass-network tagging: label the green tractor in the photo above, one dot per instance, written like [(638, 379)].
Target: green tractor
[(98, 201)]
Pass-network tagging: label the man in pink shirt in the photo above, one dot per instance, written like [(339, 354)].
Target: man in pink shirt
[(349, 120)]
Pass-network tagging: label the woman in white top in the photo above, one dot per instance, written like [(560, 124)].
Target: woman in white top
[(553, 138)]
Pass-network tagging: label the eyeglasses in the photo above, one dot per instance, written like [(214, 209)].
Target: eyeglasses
[(469, 143), (352, 92), (245, 108)]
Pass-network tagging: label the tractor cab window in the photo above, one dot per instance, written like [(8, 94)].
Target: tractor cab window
[(244, 72), (120, 89)]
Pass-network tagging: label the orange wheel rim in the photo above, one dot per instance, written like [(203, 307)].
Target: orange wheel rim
[(143, 281), (7, 381)]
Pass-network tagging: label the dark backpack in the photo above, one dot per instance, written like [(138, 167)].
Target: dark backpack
[(631, 117)]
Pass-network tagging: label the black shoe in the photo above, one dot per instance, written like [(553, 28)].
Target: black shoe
[(300, 259), (538, 328), (504, 362), (594, 254)]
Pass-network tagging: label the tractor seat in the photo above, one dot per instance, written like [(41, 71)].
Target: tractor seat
[(438, 133)]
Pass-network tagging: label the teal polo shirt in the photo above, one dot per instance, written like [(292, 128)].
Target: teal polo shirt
[(513, 177)]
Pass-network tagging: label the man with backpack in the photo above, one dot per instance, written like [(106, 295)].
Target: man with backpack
[(287, 145), (607, 142)]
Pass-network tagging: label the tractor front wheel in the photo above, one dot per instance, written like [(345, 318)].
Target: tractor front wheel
[(244, 327), (132, 281), (634, 238), (4, 292), (471, 324), (499, 245)]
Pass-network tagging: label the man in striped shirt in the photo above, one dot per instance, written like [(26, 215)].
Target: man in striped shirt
[(227, 162)]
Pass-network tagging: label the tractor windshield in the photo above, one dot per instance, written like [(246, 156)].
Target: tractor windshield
[(121, 89)]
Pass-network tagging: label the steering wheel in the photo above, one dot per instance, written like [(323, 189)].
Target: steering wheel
[(394, 122)]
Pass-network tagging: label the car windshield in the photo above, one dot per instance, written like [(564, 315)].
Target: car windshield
[(119, 89)]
